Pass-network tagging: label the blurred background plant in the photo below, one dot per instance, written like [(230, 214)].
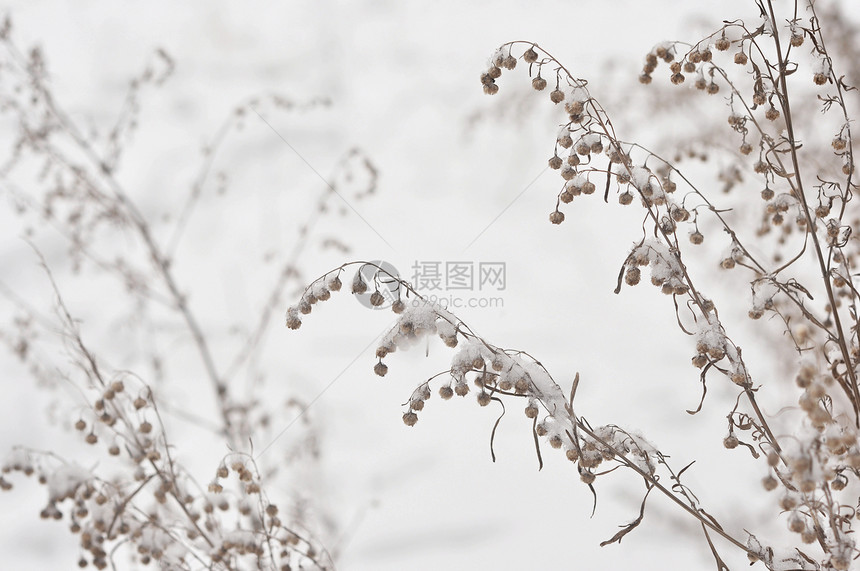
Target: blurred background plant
[(125, 335)]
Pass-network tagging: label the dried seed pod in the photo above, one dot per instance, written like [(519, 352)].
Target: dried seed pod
[(568, 172), (410, 418), (632, 276), (761, 167), (305, 307), (557, 96), (556, 217), (521, 386), (380, 369), (539, 83), (530, 55), (359, 286)]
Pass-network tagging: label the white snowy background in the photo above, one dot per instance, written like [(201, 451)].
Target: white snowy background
[(402, 82)]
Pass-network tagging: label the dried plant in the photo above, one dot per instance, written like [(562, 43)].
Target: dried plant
[(139, 502), (792, 237)]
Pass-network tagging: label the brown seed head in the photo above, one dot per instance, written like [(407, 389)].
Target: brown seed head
[(632, 276), (521, 386)]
